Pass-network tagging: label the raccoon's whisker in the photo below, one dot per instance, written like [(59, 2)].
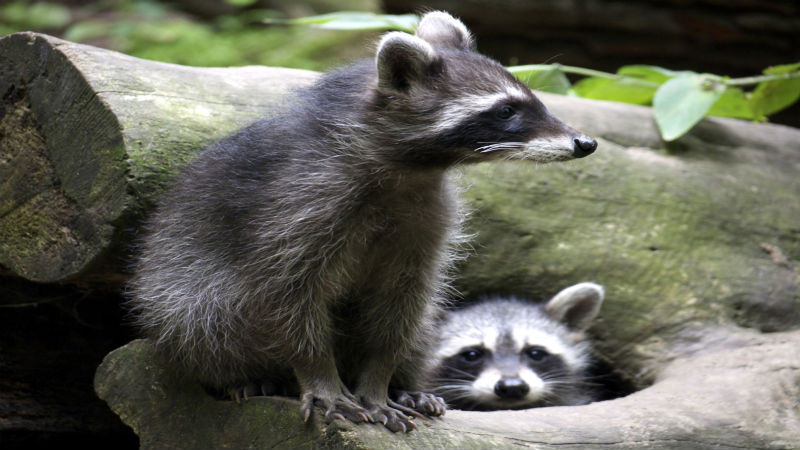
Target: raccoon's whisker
[(452, 382), (455, 392), (500, 146), (556, 375), (452, 392), (463, 375)]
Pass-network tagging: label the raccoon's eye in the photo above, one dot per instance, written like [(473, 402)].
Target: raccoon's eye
[(505, 112), (472, 354), (536, 353)]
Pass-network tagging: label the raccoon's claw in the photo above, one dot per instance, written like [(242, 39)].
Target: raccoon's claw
[(254, 389), (355, 415), (392, 418), (422, 402), (392, 415), (409, 411), (339, 408)]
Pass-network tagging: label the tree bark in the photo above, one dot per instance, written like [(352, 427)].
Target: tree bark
[(89, 138), (724, 388)]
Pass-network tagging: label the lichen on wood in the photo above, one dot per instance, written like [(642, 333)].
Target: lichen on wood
[(107, 133)]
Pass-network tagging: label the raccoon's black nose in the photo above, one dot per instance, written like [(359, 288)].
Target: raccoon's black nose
[(511, 388), (584, 146)]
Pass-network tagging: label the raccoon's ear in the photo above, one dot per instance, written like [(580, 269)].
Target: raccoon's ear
[(440, 28), (402, 60), (576, 306)]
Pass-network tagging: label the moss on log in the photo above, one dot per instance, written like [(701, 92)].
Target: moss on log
[(89, 138), (726, 388)]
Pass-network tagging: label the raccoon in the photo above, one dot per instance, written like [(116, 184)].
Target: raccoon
[(507, 353), (315, 245)]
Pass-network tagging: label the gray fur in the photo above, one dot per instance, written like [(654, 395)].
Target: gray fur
[(316, 245), (484, 345)]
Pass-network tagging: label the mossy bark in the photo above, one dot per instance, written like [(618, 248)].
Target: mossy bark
[(90, 138), (725, 388)]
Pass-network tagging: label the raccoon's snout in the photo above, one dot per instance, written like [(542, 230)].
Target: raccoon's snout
[(584, 146), (511, 388)]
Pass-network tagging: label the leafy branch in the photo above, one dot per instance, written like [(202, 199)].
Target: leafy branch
[(680, 99), (356, 20)]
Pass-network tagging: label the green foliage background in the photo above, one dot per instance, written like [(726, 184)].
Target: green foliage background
[(249, 35), (155, 30)]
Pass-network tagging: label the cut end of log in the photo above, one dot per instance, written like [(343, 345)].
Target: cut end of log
[(60, 163), (90, 138)]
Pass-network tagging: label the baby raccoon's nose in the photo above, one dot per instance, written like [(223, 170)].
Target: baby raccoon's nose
[(511, 388), (584, 146)]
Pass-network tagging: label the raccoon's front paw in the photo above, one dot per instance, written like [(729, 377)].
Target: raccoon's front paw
[(393, 416), (422, 402), (341, 407)]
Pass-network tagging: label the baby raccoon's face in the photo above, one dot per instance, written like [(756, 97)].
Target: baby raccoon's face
[(502, 372), (453, 104), (507, 353), (487, 113)]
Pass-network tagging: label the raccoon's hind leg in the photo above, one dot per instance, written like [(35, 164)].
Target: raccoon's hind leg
[(372, 391), (391, 338), (321, 387), (314, 365)]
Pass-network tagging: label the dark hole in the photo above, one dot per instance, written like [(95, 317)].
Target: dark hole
[(610, 383)]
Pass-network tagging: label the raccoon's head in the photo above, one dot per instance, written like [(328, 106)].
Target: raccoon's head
[(451, 104), (511, 354)]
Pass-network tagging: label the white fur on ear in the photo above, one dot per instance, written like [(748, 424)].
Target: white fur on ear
[(576, 306), (440, 28), (401, 60)]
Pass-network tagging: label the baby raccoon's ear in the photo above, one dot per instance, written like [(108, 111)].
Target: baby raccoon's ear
[(440, 28), (576, 306), (403, 60)]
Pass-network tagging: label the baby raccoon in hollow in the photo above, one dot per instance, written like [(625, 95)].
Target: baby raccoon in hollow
[(506, 353), (313, 245)]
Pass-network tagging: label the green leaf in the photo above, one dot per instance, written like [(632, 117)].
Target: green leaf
[(653, 74), (770, 97), (347, 20), (547, 80), (683, 101), (782, 69), (732, 103), (621, 90), (241, 3)]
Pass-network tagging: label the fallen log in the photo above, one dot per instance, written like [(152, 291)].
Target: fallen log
[(687, 237), (736, 389)]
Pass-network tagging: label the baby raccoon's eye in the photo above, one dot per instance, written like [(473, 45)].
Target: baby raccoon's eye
[(472, 354), (536, 353), (505, 112)]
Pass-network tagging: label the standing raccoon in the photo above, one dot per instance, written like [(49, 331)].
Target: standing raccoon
[(512, 354), (313, 245)]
